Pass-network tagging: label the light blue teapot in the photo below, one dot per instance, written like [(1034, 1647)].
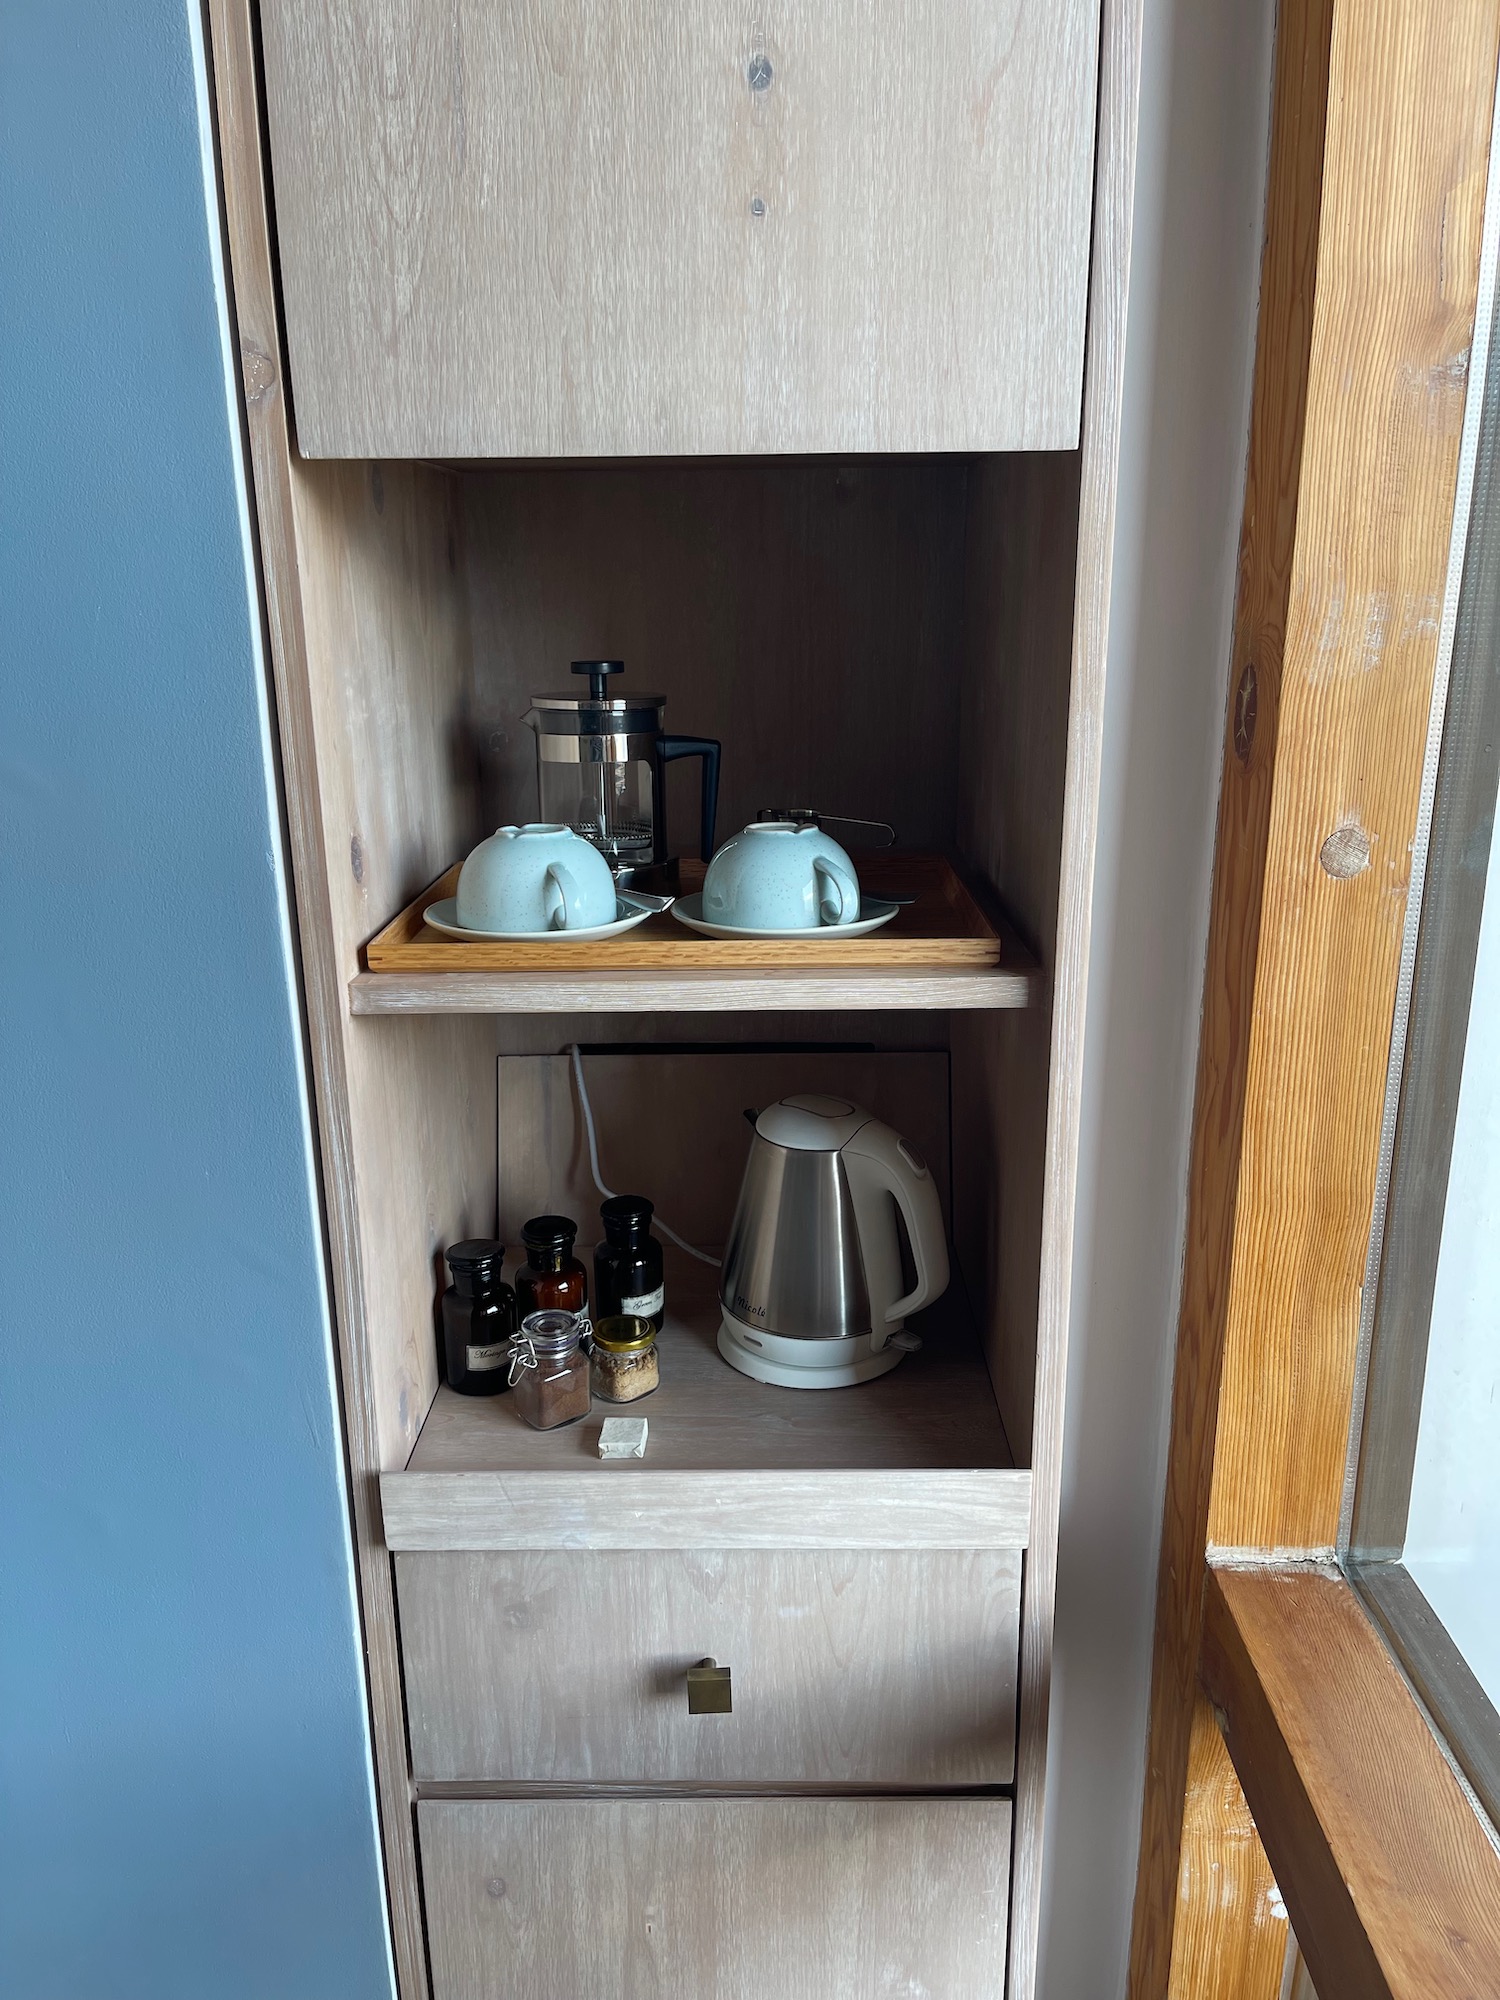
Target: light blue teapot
[(526, 879), (779, 875)]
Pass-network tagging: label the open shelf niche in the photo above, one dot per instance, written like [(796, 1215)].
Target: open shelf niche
[(884, 637)]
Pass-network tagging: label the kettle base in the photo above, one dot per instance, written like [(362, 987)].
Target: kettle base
[(804, 1364)]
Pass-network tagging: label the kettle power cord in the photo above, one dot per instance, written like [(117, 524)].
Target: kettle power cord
[(609, 1194)]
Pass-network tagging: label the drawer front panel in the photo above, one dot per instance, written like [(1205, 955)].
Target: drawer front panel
[(847, 1667), (510, 228), (763, 1899)]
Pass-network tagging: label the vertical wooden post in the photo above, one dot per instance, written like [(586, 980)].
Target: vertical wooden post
[(1379, 151)]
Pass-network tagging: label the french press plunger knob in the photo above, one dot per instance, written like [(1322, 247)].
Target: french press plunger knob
[(598, 672)]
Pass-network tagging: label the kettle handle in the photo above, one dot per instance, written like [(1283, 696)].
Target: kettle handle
[(878, 1162)]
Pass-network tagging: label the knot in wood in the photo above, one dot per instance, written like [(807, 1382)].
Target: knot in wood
[(1345, 852), (1246, 707), (258, 369)]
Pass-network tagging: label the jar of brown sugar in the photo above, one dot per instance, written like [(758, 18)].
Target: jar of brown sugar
[(549, 1370), (623, 1365)]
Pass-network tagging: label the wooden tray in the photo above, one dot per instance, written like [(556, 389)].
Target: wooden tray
[(945, 926)]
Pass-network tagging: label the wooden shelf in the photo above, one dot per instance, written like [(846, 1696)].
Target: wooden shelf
[(690, 992), (918, 1459), (952, 948)]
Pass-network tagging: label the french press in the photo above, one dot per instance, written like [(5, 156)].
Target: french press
[(601, 769)]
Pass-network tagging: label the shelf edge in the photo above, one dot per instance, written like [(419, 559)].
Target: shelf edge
[(626, 1507), (767, 991)]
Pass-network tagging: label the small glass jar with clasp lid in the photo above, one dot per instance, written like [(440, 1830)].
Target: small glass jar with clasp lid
[(549, 1370)]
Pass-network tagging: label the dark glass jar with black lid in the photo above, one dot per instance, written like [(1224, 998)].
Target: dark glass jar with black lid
[(479, 1319), (628, 1263), (551, 1279)]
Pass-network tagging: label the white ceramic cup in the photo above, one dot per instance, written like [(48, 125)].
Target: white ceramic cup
[(535, 878), (779, 876)]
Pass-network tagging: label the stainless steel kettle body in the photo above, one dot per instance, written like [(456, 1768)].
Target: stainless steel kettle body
[(792, 1264), (811, 1287)]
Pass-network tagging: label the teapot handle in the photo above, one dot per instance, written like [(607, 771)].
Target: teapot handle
[(880, 1165), (837, 891), (560, 888)]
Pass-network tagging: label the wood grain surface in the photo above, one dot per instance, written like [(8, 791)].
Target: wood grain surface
[(386, 639), (1411, 97), (619, 1505), (672, 1126), (870, 1669), (509, 231), (917, 1459), (1391, 1882), (936, 1410), (1279, 412), (944, 926), (1380, 137), (743, 1899), (666, 993), (1023, 537), (808, 614), (1235, 1946)]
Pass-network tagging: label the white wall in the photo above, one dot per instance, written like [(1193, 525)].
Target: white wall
[(1204, 125)]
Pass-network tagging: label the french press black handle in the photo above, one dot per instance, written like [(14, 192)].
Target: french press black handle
[(598, 672), (706, 747)]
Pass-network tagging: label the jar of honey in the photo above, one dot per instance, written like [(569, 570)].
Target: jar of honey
[(623, 1364)]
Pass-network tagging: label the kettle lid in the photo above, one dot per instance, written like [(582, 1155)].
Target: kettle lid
[(811, 1124)]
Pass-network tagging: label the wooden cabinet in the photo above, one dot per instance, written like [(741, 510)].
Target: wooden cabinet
[(882, 1669), (510, 228), (483, 251), (741, 1899)]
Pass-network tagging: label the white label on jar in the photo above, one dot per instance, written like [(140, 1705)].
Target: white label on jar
[(482, 1359), (644, 1304)]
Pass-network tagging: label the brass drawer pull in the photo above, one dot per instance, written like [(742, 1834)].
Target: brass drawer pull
[(708, 1689)]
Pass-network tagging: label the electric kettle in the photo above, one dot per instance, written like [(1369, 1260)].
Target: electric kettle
[(812, 1286)]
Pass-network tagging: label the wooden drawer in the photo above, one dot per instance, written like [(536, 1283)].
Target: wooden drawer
[(743, 1899), (623, 227), (848, 1667)]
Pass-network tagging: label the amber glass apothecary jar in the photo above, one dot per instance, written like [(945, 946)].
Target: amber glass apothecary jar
[(551, 1279), (549, 1371), (628, 1263), (479, 1318)]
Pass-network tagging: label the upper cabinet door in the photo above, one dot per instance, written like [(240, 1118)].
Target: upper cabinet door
[(599, 228)]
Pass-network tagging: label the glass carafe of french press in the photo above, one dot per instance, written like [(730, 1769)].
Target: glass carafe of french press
[(601, 769)]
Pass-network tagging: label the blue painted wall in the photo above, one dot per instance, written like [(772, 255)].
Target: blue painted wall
[(185, 1804)]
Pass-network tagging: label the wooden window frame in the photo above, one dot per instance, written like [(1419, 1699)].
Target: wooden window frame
[(1433, 1016), (1380, 146)]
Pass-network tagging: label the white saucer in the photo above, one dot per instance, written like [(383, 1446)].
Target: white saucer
[(441, 918), (689, 910)]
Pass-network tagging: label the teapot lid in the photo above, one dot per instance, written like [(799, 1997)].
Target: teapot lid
[(811, 1124)]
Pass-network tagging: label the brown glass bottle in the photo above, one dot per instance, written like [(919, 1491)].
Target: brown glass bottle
[(628, 1263), (551, 1279), (479, 1319)]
